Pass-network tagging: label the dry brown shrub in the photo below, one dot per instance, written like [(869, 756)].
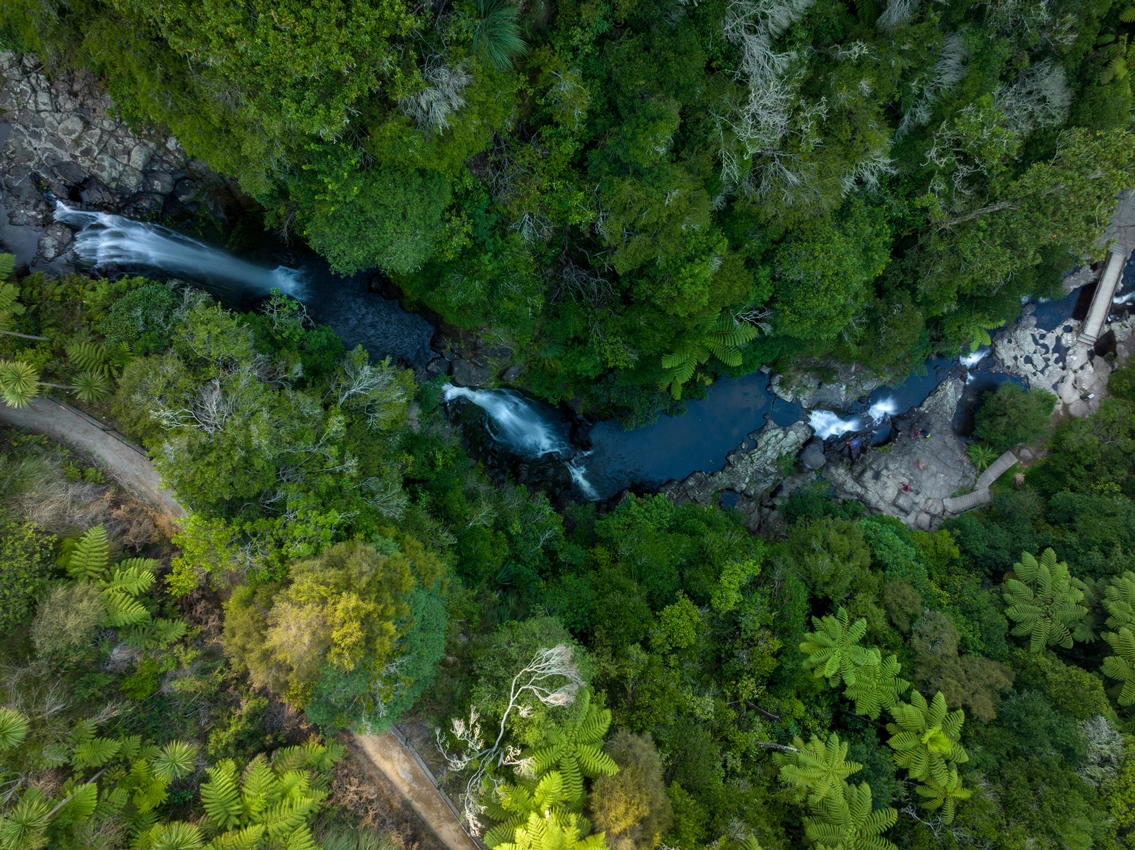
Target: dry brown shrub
[(201, 608), (367, 797)]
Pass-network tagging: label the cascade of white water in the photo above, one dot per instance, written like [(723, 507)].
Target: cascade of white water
[(974, 357), (106, 239), (827, 424), (521, 426), (882, 408)]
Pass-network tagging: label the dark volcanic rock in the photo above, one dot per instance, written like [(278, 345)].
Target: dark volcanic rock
[(466, 374)]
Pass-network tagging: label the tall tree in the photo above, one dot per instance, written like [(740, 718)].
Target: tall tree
[(833, 651), (817, 768), (847, 821), (1043, 602), (926, 737)]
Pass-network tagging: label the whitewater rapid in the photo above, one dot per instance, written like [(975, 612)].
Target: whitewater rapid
[(104, 239)]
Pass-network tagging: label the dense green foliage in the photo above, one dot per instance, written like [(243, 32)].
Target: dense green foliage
[(1009, 416), (613, 188), (636, 197)]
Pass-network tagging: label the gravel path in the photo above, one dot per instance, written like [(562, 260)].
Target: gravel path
[(125, 462)]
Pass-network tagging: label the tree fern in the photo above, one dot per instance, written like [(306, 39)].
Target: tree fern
[(7, 266), (155, 633), (720, 336), (13, 728), (1119, 601), (538, 833), (576, 749), (943, 795), (847, 821), (925, 737), (131, 576), (877, 685), (246, 838), (833, 649), (818, 769), (86, 355), (221, 795), (1121, 666), (511, 805), (1095, 595), (261, 787), (123, 610), (147, 790), (1043, 601), (9, 305), (95, 753), (88, 558), (84, 799)]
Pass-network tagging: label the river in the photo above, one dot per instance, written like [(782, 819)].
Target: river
[(671, 448)]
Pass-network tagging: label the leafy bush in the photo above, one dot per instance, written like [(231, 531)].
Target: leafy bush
[(392, 221), (25, 563), (141, 319), (1009, 416)]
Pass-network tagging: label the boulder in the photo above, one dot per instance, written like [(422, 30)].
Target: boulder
[(185, 190), (511, 373), (813, 455), (54, 241), (157, 181), (437, 366), (466, 374)]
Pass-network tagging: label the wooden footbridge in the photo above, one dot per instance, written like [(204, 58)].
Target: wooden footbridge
[(980, 494)]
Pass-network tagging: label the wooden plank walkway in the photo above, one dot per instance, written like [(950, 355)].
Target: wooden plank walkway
[(1105, 291), (995, 470), (961, 504)]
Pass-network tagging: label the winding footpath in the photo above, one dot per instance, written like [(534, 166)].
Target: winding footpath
[(129, 465)]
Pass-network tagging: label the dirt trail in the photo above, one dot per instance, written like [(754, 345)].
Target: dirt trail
[(398, 762), (126, 462), (130, 466)]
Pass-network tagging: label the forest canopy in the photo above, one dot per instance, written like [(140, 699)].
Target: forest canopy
[(639, 196)]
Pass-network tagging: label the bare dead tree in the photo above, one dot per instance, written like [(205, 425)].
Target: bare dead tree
[(551, 677)]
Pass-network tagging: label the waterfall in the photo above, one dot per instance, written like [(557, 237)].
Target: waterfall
[(104, 239), (881, 409), (974, 357), (518, 424), (827, 424)]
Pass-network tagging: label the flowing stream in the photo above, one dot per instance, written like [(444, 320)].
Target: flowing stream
[(112, 240), (346, 305), (670, 448)]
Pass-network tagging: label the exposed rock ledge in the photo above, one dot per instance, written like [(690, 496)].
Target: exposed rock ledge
[(66, 138), (750, 474), (933, 467)]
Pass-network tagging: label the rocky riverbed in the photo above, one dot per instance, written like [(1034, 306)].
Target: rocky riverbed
[(924, 464), (63, 136)]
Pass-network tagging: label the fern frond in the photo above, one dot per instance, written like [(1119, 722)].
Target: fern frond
[(221, 795), (86, 355), (88, 559)]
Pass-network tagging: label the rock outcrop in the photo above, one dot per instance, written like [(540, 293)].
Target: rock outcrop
[(750, 474), (806, 388), (1054, 361), (66, 139), (925, 464)]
